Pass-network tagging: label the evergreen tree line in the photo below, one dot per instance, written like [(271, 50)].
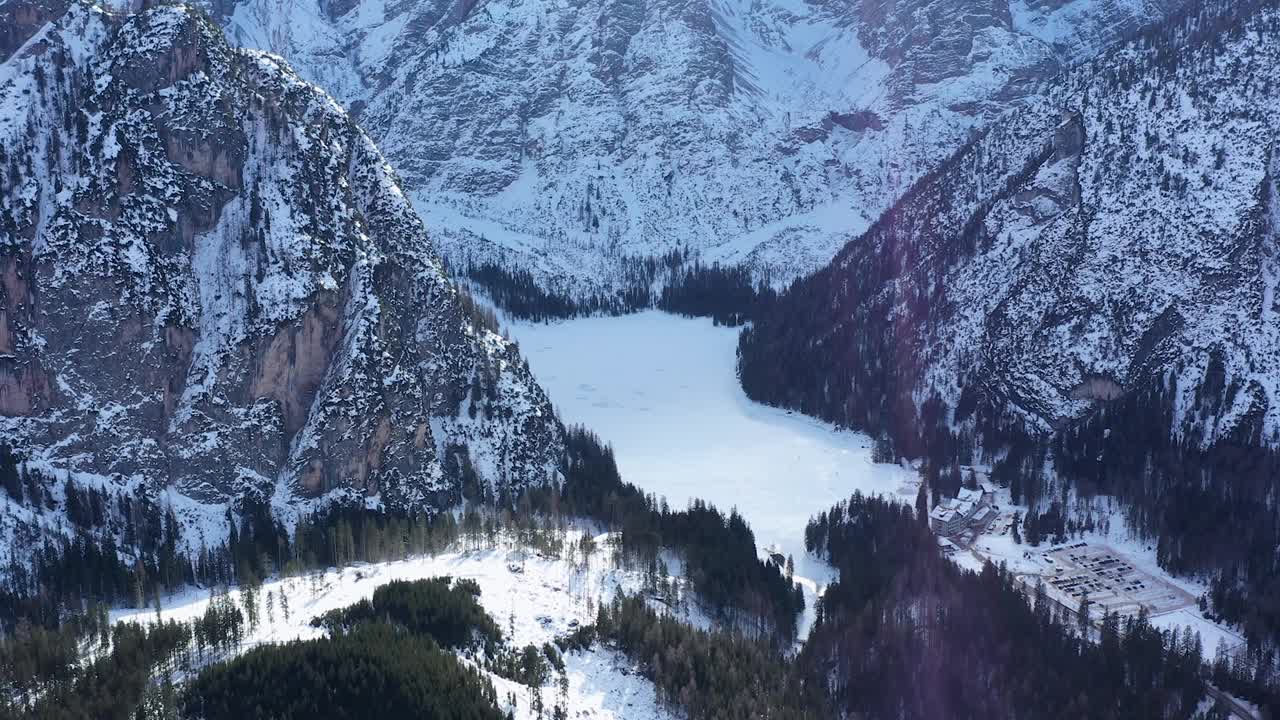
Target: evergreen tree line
[(843, 345), (520, 296), (88, 668), (707, 675), (122, 548), (905, 633), (127, 676), (727, 294), (375, 670), (718, 551), (446, 610)]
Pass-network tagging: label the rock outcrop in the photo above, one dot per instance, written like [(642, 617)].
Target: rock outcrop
[(211, 280), (562, 138), (1114, 238)]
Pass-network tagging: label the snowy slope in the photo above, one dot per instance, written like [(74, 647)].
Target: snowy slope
[(1114, 236), (535, 606), (561, 137), (211, 281)]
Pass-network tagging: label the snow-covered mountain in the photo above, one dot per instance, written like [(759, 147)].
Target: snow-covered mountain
[(211, 282), (1116, 238), (561, 136)]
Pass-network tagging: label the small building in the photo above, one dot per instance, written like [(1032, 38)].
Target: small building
[(947, 518), (953, 515), (948, 548)]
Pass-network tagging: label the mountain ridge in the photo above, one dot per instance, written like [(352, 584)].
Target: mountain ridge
[(214, 283), (565, 140)]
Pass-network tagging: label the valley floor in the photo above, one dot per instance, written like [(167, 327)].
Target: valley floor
[(663, 391)]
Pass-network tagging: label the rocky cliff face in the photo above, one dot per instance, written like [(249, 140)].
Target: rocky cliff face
[(210, 280), (1116, 237), (560, 137)]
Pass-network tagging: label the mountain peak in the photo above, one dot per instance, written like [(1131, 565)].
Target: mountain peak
[(266, 312)]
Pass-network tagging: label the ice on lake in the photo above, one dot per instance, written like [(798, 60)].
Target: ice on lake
[(663, 390)]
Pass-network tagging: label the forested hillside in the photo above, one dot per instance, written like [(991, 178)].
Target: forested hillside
[(905, 633), (1083, 296)]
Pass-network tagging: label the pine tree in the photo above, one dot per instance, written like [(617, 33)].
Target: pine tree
[(9, 476), (1082, 615), (922, 505)]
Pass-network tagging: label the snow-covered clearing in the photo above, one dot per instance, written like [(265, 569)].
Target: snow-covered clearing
[(533, 599), (663, 391), (1115, 533)]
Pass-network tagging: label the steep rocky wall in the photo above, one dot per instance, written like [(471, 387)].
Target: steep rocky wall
[(212, 281)]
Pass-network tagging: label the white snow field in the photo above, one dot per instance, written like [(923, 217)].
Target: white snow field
[(533, 605), (663, 391)]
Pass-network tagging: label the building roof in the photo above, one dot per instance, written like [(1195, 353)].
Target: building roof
[(985, 514), (943, 514)]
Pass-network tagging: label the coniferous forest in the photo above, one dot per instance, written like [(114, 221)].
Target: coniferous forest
[(245, 347), (57, 610), (373, 671), (905, 633), (844, 344), (729, 295)]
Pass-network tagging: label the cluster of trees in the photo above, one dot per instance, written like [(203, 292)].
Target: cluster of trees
[(709, 675), (33, 657), (116, 684), (123, 548), (447, 610), (906, 633), (375, 670), (17, 482), (85, 667), (1048, 525), (719, 551), (728, 294)]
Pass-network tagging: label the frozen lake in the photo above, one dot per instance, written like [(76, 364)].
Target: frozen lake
[(663, 391)]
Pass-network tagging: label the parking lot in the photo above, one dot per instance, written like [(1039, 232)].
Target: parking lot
[(1110, 579)]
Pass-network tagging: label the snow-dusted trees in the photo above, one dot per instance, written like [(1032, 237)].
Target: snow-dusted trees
[(909, 632)]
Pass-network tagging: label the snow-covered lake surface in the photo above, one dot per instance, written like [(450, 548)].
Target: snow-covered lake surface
[(663, 391)]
